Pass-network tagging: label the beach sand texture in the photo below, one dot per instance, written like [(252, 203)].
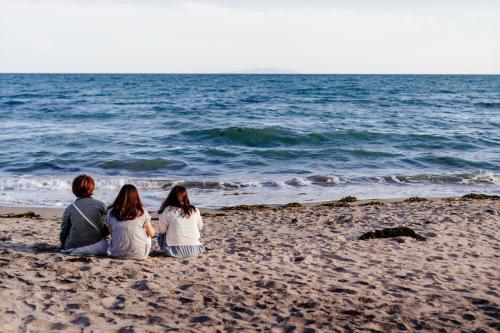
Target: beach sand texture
[(299, 269)]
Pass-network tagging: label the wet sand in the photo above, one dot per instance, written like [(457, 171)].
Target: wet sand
[(298, 269)]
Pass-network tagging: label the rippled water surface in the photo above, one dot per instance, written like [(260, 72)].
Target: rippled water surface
[(248, 138)]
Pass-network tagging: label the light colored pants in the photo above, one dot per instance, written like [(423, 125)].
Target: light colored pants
[(184, 251), (97, 249), (179, 251)]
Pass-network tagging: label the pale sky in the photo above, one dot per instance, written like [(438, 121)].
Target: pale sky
[(213, 36)]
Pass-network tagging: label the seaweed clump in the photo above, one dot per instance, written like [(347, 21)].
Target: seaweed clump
[(416, 199), (205, 214), (392, 232), (373, 203), (84, 259), (291, 205), (481, 196), (29, 214), (246, 207), (349, 198), (344, 202)]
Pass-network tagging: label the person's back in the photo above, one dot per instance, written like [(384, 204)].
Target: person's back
[(179, 226), (129, 239), (82, 227), (130, 225), (80, 232), (180, 229)]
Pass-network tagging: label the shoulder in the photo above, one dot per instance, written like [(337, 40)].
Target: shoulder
[(97, 203), (145, 216), (68, 209), (101, 204), (195, 215), (90, 203), (169, 210)]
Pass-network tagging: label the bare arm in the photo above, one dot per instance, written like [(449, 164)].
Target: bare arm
[(150, 231)]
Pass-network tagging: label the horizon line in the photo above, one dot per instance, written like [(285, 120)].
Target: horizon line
[(228, 73)]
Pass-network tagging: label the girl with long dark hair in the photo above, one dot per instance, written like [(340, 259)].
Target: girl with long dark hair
[(180, 225), (130, 225)]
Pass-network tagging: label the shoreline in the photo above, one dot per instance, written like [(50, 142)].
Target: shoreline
[(54, 192), (45, 212), (297, 269)]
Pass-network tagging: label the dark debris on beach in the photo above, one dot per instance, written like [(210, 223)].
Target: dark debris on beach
[(481, 196), (246, 207), (344, 202), (392, 232), (416, 199), (28, 214)]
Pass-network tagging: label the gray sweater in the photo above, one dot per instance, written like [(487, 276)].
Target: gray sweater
[(75, 230)]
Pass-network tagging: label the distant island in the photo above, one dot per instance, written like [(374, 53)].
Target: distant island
[(265, 70)]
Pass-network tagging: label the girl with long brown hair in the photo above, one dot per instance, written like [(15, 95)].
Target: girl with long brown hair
[(130, 225), (180, 225)]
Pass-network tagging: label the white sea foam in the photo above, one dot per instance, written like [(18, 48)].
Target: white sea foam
[(486, 177), (55, 191)]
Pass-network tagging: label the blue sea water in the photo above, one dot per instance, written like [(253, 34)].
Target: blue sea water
[(236, 139)]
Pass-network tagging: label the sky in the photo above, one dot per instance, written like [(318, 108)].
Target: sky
[(221, 36)]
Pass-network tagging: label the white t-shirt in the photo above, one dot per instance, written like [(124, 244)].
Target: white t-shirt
[(180, 230)]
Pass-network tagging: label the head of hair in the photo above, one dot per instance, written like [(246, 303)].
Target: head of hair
[(178, 198), (127, 205), (83, 186)]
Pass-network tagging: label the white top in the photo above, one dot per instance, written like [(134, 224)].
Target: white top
[(180, 230)]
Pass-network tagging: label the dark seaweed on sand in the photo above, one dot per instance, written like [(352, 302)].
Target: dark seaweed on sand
[(81, 259), (416, 199), (480, 196), (344, 202), (246, 207), (29, 214), (292, 205), (349, 198), (206, 214), (373, 203), (392, 232)]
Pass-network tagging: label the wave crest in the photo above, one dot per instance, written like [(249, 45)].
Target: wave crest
[(492, 105), (143, 164)]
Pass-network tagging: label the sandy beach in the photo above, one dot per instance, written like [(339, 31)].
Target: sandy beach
[(294, 269)]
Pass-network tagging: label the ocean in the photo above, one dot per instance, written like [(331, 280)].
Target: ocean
[(240, 139)]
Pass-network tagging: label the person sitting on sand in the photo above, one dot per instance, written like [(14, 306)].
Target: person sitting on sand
[(180, 225), (130, 225), (82, 228)]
